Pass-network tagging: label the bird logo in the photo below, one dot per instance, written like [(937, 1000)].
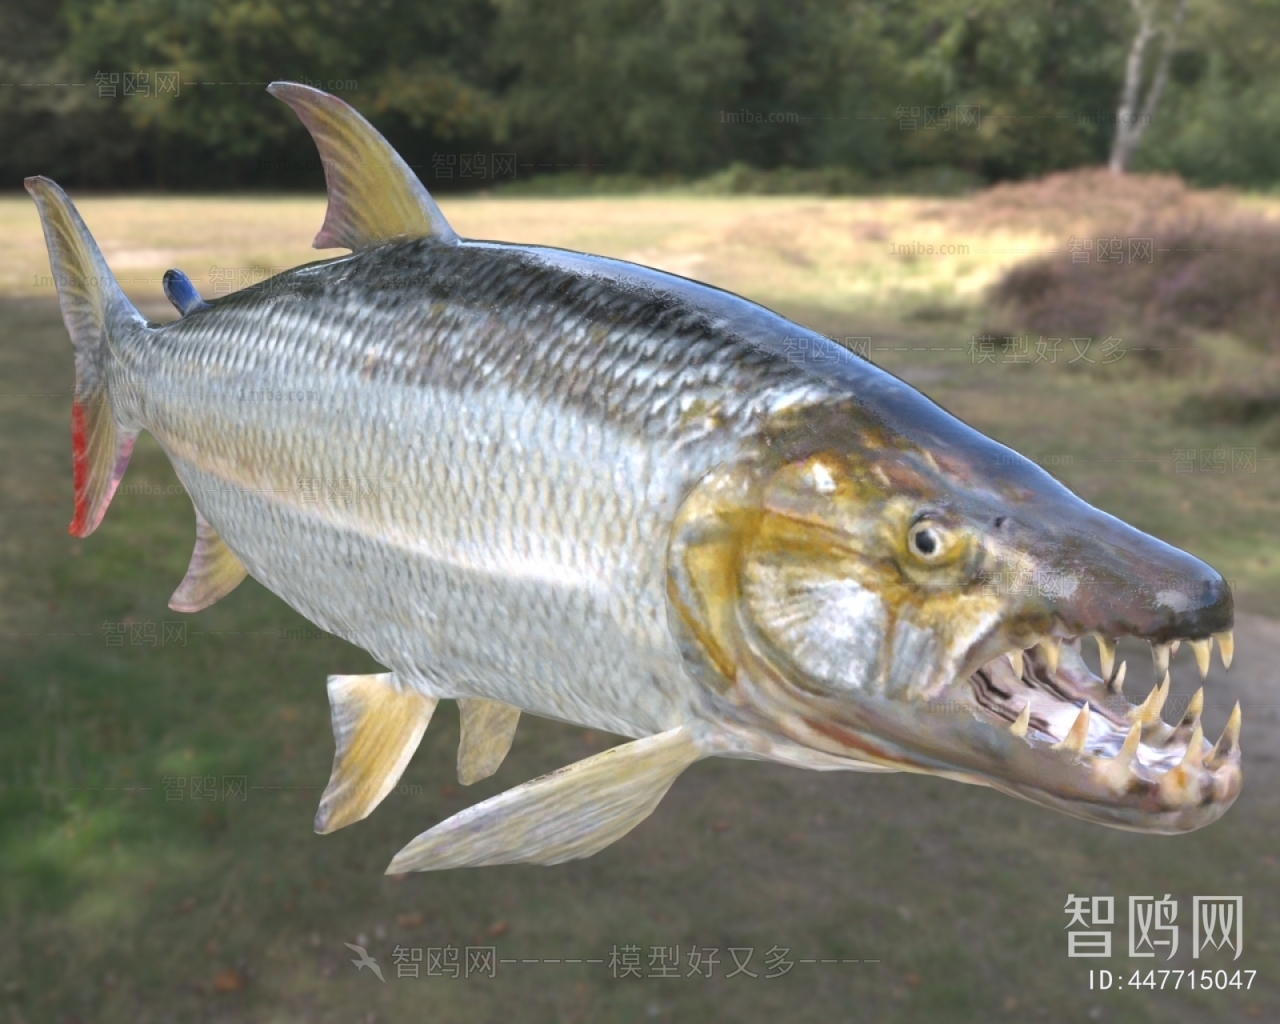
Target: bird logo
[(366, 961)]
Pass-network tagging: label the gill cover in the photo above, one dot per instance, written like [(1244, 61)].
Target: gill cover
[(704, 556)]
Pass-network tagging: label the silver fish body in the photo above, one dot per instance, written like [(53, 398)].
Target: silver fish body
[(467, 459)]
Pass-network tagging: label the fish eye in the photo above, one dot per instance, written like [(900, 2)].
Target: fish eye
[(925, 541), (928, 540)]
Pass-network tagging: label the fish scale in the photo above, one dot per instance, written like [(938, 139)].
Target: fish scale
[(538, 481), (521, 512)]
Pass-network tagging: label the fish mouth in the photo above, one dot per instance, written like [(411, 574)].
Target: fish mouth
[(1067, 737)]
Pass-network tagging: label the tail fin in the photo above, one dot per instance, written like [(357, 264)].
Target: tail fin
[(93, 306)]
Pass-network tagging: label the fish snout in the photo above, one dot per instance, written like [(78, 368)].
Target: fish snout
[(1205, 607), (1160, 610), (1132, 584)]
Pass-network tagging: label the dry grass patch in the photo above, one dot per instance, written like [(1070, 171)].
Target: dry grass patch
[(836, 253), (1205, 273)]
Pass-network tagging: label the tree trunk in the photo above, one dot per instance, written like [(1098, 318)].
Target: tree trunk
[(1132, 121)]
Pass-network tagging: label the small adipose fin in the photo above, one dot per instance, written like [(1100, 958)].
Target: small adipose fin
[(488, 727), (377, 726), (213, 573), (374, 197), (179, 290), (569, 814)]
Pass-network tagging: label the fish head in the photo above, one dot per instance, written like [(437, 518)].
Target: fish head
[(884, 584)]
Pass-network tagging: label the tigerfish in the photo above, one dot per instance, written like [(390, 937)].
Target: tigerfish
[(604, 494)]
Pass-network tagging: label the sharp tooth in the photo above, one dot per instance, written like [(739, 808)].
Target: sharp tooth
[(1160, 655), (1173, 647), (1019, 726), (1074, 740), (1202, 649), (1052, 647), (1161, 698), (1117, 684), (1124, 759), (1194, 707), (1148, 713), (1229, 741), (1227, 646), (1180, 785), (1118, 770), (1015, 659), (1130, 749), (1106, 655), (1194, 757)]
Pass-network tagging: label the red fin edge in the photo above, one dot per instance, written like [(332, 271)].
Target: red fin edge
[(94, 494), (79, 471)]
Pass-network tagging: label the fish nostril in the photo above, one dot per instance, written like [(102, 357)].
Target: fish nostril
[(1000, 521)]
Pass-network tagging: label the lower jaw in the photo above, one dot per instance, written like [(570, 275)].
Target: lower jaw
[(1078, 746), (1154, 820), (968, 743)]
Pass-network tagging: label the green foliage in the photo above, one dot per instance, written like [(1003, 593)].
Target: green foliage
[(418, 79), (673, 89)]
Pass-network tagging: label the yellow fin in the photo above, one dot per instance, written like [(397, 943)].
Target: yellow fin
[(377, 726), (488, 728), (569, 814), (374, 197), (94, 309), (213, 573)]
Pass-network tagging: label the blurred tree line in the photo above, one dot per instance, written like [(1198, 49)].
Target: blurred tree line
[(990, 89)]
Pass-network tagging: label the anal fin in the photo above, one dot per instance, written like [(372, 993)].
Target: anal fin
[(377, 726), (569, 814), (488, 727), (213, 573)]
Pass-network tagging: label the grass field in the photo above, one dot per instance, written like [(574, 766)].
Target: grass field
[(126, 897)]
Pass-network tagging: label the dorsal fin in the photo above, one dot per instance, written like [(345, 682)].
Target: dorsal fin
[(373, 195)]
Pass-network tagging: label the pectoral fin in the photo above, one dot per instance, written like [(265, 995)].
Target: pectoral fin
[(213, 573), (376, 728), (569, 814), (488, 728)]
